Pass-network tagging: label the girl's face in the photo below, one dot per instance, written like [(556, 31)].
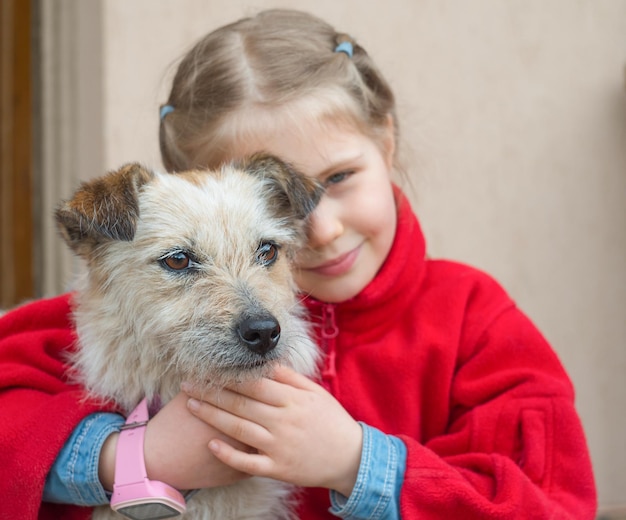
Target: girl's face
[(353, 227)]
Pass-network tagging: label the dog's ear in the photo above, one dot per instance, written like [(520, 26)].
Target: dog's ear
[(104, 209), (293, 191)]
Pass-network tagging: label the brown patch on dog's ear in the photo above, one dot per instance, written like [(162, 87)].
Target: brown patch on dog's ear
[(104, 209), (293, 191)]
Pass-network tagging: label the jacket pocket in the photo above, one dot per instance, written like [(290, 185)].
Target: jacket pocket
[(524, 434), (532, 434)]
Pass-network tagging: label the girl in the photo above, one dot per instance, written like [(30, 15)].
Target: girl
[(437, 399)]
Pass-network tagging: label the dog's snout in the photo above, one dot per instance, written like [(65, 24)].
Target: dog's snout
[(260, 333)]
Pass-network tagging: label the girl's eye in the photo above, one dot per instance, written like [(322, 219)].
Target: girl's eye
[(177, 261), (336, 178), (267, 254)]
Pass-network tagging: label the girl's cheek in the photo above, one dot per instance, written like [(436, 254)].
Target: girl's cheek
[(324, 228)]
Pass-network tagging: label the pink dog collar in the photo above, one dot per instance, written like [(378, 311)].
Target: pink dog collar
[(134, 494)]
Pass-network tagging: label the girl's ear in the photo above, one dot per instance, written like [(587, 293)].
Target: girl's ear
[(389, 142)]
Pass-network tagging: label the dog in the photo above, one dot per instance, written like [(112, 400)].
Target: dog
[(188, 278)]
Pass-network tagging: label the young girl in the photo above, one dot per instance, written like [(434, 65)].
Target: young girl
[(437, 399)]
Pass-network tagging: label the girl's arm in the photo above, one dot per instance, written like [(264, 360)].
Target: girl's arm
[(74, 477), (175, 452), (376, 493), (514, 446), (40, 408)]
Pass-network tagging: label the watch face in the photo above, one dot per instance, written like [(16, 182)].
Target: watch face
[(149, 511)]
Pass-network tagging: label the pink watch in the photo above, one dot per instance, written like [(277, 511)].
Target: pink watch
[(134, 495)]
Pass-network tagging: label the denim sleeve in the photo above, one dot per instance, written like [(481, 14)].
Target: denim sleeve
[(73, 478), (376, 494)]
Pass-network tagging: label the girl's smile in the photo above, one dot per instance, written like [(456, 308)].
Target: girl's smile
[(336, 266)]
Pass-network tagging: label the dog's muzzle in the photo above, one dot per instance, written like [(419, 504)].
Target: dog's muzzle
[(260, 334)]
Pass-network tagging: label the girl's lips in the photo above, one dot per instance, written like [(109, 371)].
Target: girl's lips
[(337, 266)]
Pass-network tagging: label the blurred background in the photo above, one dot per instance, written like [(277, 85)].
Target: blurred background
[(513, 133)]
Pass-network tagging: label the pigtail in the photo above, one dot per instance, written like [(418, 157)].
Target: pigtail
[(174, 159), (375, 93), (166, 144)]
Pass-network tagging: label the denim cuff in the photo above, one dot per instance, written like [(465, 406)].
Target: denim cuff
[(376, 494), (73, 478)]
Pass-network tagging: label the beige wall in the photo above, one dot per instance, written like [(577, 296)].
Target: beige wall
[(514, 125)]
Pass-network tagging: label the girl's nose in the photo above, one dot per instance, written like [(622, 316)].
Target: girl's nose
[(325, 225)]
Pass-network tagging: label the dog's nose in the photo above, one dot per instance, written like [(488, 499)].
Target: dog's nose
[(259, 333)]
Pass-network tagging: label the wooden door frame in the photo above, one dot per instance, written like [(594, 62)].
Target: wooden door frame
[(16, 157), (51, 102)]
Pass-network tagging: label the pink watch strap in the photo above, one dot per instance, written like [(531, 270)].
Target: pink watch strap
[(135, 496), (130, 464)]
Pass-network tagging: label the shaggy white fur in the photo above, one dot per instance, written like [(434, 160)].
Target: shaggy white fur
[(178, 266)]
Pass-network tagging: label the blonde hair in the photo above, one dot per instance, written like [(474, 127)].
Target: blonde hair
[(279, 58)]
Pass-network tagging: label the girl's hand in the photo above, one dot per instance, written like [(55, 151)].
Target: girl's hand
[(300, 432), (175, 451)]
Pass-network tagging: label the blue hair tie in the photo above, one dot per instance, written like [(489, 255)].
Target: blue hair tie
[(345, 47), (165, 109)]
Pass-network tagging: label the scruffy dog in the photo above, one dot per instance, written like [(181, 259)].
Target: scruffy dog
[(188, 278)]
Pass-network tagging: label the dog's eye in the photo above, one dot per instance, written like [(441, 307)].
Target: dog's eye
[(267, 253), (177, 261)]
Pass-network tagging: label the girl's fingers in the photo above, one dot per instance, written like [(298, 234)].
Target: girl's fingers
[(266, 391), (276, 389), (250, 463), (290, 377), (237, 427), (247, 406), (273, 392)]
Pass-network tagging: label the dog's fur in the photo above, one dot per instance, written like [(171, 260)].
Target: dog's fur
[(144, 327)]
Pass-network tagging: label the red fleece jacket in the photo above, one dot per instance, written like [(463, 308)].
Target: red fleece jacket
[(431, 351)]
